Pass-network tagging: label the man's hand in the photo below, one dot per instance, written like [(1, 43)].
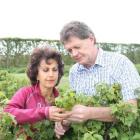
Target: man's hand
[(79, 113)]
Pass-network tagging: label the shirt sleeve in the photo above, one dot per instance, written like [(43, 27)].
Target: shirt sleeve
[(128, 78), (16, 107)]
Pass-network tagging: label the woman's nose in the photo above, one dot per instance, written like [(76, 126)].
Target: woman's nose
[(50, 73)]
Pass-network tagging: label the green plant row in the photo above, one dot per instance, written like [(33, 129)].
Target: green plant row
[(126, 126)]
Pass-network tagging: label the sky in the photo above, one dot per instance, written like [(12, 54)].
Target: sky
[(112, 21)]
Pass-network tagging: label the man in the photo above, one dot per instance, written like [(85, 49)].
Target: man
[(93, 66)]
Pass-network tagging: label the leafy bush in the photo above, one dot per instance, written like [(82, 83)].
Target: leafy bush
[(126, 127), (3, 75), (109, 96), (7, 126), (11, 84)]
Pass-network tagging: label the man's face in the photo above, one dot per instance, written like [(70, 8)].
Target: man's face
[(81, 50)]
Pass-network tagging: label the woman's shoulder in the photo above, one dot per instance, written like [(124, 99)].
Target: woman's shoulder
[(25, 90)]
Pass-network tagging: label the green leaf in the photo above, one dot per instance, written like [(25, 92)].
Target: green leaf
[(136, 136), (98, 137)]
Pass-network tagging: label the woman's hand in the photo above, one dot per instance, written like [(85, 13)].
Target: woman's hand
[(58, 114), (61, 128)]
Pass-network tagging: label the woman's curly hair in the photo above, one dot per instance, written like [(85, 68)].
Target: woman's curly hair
[(39, 54)]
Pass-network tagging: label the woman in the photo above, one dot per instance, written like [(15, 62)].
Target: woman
[(35, 103)]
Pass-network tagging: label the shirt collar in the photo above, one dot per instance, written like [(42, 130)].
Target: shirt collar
[(99, 61)]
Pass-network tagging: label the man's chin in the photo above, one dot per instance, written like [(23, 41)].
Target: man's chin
[(81, 63)]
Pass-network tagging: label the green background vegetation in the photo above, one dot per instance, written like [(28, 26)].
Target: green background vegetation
[(14, 56), (15, 53)]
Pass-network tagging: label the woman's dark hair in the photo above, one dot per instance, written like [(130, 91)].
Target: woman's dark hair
[(39, 54)]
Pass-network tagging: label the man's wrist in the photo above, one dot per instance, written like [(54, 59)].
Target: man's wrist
[(90, 113)]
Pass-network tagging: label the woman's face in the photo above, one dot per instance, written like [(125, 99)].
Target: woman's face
[(48, 73)]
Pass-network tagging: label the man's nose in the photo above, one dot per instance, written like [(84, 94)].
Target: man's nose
[(74, 53)]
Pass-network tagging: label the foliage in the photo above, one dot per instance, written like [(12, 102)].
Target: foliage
[(138, 68), (9, 83), (3, 74), (109, 96), (126, 126), (7, 126), (13, 51), (132, 51), (67, 59), (10, 130)]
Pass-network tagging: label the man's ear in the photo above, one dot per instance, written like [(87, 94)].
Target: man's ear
[(92, 38)]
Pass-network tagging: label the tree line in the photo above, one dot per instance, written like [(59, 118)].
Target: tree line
[(15, 52)]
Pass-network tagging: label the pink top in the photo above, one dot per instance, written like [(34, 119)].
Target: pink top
[(28, 106)]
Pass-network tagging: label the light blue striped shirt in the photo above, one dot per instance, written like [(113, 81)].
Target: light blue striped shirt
[(110, 67)]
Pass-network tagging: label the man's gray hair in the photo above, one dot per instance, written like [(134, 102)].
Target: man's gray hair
[(75, 29)]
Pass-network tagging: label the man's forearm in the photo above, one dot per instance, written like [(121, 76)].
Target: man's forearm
[(101, 114), (104, 113)]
